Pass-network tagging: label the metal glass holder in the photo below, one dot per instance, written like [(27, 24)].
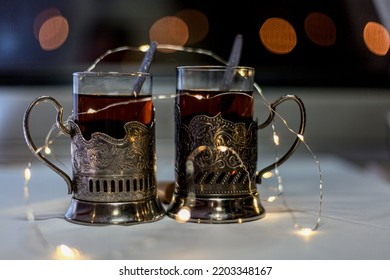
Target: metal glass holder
[(114, 180)]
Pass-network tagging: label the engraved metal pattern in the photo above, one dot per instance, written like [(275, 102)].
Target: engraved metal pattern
[(106, 169), (215, 156)]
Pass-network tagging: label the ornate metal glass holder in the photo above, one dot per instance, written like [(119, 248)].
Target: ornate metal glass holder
[(216, 145), (216, 173), (114, 180)]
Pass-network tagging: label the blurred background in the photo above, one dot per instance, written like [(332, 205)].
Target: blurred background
[(333, 54), (321, 43)]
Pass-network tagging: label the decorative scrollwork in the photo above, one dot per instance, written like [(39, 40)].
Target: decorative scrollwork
[(223, 155), (106, 169)]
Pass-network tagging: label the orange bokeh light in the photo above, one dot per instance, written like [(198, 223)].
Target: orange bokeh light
[(376, 37), (53, 33), (320, 29), (278, 36), (42, 17), (197, 23), (169, 30)]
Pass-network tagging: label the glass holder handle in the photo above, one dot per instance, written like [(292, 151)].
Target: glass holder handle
[(297, 140), (36, 151)]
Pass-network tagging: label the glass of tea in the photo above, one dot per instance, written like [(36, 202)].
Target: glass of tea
[(216, 145), (113, 153), (105, 102)]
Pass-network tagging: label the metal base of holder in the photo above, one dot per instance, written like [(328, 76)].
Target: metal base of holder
[(114, 213), (215, 210)]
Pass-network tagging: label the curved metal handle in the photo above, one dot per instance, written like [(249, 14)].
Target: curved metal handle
[(297, 139), (30, 141)]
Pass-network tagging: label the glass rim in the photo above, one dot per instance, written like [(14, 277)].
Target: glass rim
[(212, 67), (112, 74)]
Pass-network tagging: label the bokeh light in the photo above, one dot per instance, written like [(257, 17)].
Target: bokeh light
[(53, 33), (320, 29), (278, 36), (197, 23), (169, 30), (42, 17), (64, 252), (184, 215), (376, 38)]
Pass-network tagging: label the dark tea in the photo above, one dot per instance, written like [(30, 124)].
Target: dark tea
[(233, 106), (109, 113)]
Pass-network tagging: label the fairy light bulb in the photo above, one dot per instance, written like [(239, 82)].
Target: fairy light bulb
[(276, 139), (27, 177), (267, 175), (27, 174), (64, 252), (198, 96), (47, 150), (271, 198), (222, 148), (183, 215), (26, 194), (306, 231), (144, 48)]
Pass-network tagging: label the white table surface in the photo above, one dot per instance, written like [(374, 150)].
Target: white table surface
[(355, 220)]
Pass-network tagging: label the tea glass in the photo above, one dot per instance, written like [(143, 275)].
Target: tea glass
[(216, 145), (113, 151)]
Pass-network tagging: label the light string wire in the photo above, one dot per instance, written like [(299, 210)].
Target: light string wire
[(49, 140), (317, 162)]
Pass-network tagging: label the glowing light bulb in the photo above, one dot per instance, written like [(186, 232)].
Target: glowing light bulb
[(47, 150), (27, 174), (144, 48), (91, 111), (267, 175), (183, 215), (65, 252), (241, 72), (276, 139), (198, 96), (301, 137), (222, 148), (306, 231), (271, 198)]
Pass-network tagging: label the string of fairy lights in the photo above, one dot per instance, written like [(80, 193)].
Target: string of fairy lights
[(62, 251)]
